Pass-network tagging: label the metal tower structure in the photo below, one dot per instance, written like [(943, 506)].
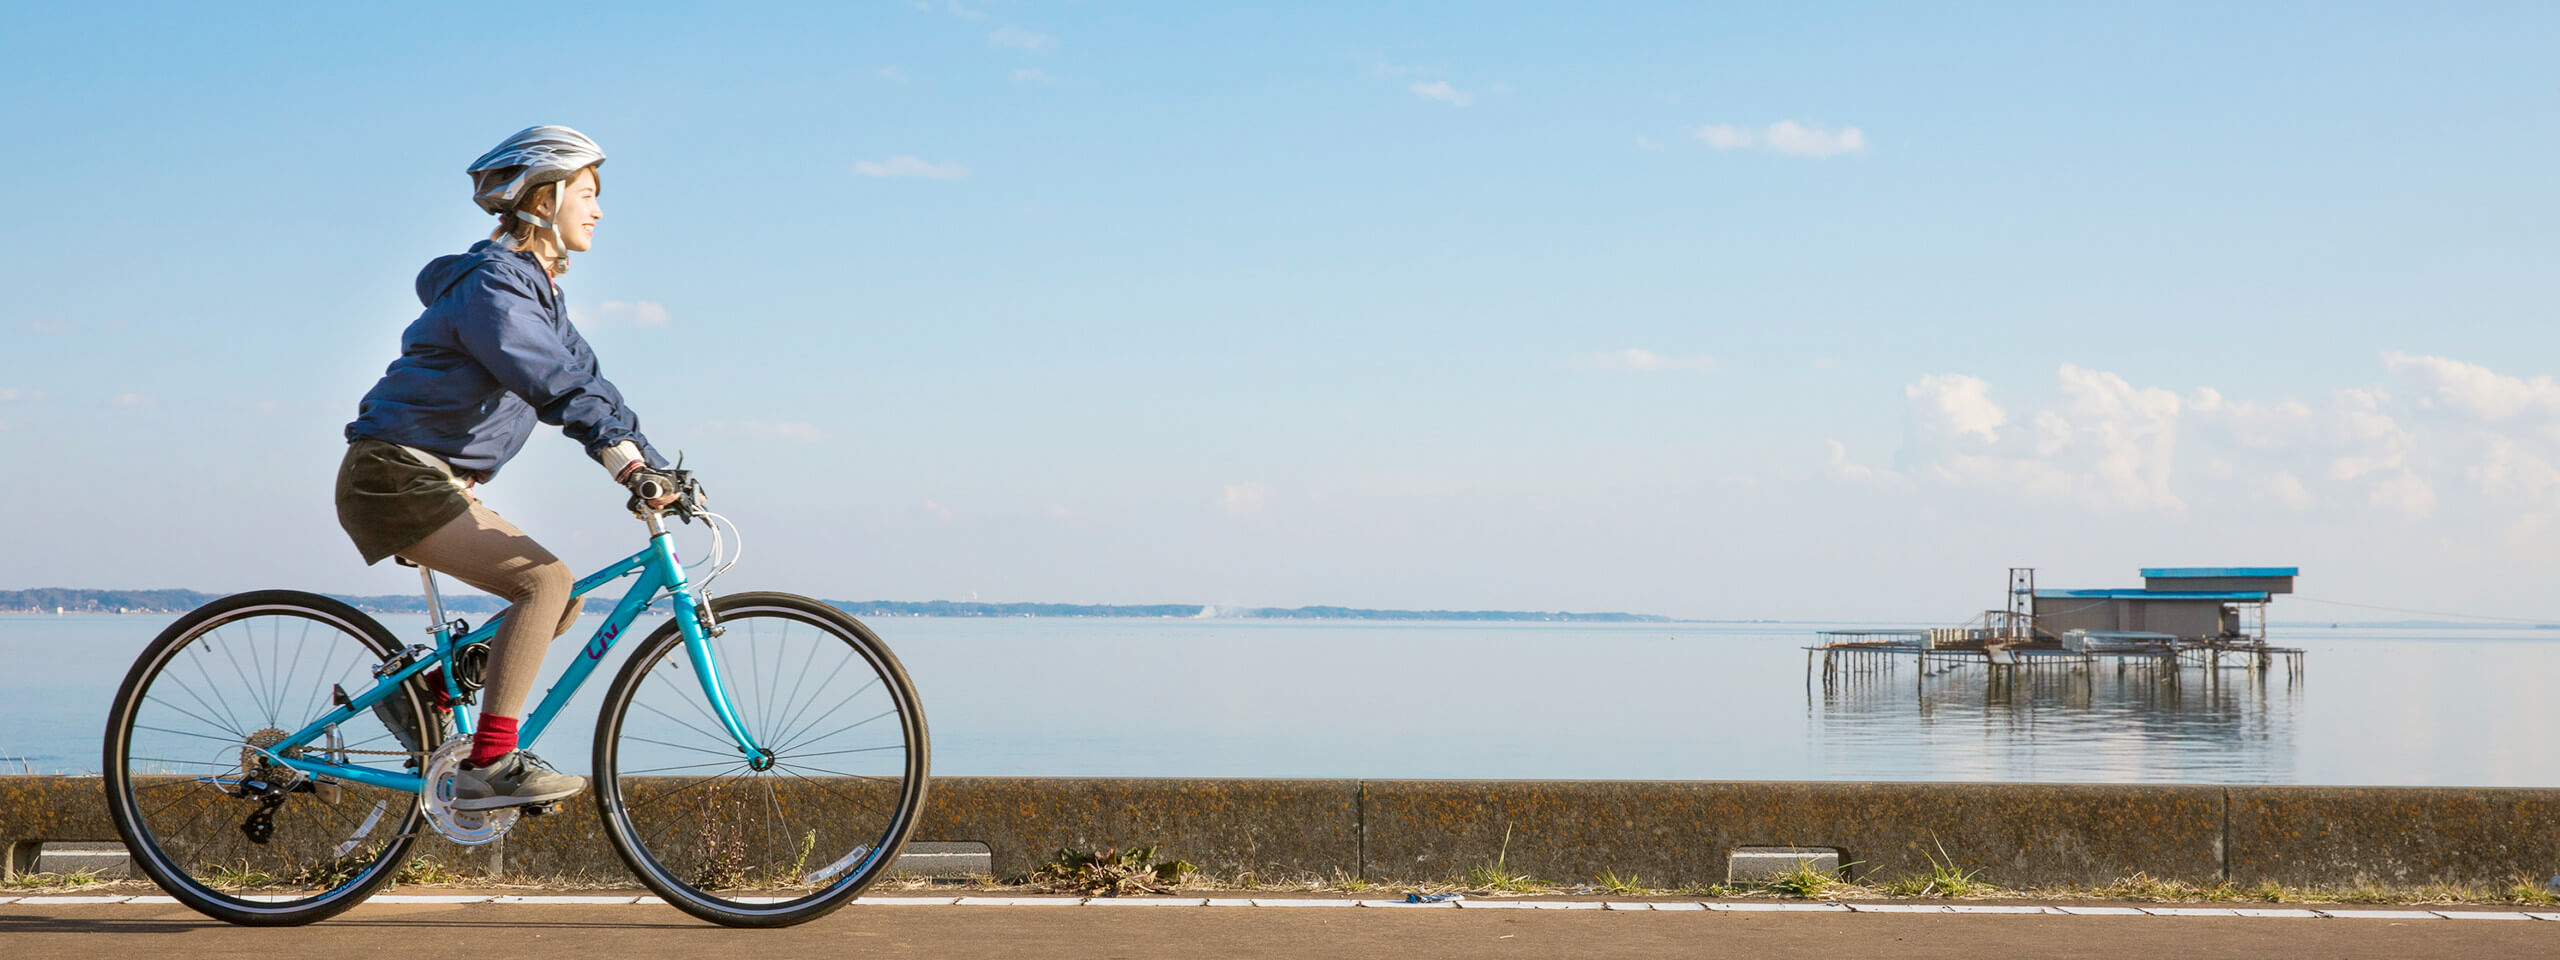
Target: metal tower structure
[(2022, 603)]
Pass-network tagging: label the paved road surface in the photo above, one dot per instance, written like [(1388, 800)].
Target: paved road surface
[(494, 931)]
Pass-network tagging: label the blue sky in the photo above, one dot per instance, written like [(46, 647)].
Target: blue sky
[(1807, 310)]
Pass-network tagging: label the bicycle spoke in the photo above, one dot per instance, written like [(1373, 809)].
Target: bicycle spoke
[(831, 711), (681, 691), (724, 745), (247, 689), (695, 785), (826, 787), (293, 667), (838, 753), (672, 821), (207, 677), (685, 766), (892, 710), (789, 725), (236, 734), (832, 773), (799, 677), (752, 670), (184, 733), (715, 738)]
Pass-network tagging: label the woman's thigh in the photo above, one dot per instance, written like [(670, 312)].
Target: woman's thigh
[(482, 549)]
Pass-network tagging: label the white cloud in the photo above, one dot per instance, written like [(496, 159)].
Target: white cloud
[(1033, 75), (2287, 490), (938, 511), (892, 74), (1785, 137), (801, 432), (1647, 143), (1646, 361), (10, 393), (1380, 67), (1243, 498), (1955, 405), (2134, 432), (951, 7), (2476, 390), (1847, 469), (131, 400), (1021, 39), (645, 314), (908, 165), (2107, 443), (1441, 90), (2404, 492)]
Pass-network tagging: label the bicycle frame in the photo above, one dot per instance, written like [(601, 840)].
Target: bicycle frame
[(658, 570)]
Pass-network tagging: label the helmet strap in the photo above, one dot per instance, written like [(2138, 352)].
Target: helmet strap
[(560, 247)]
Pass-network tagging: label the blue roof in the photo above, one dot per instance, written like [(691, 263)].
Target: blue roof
[(2183, 573), (2138, 593)]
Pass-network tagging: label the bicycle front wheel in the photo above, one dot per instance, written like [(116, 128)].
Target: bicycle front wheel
[(797, 831), (192, 780)]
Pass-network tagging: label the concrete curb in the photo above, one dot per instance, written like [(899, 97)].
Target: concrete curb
[(1611, 906), (1666, 833)]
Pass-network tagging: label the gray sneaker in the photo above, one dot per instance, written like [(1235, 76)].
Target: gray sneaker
[(514, 780)]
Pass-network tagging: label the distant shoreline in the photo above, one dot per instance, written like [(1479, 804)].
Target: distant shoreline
[(69, 601)]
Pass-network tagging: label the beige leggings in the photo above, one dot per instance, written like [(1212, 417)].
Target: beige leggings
[(482, 549)]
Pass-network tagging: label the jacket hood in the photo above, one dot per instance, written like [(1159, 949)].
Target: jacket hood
[(441, 273)]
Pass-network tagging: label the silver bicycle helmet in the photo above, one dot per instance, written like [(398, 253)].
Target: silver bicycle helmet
[(532, 157)]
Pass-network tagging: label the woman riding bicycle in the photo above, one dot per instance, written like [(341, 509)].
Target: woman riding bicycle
[(494, 352)]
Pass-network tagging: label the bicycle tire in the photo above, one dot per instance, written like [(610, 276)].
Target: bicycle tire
[(307, 887), (723, 866)]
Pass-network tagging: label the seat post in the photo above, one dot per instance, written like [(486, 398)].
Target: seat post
[(435, 604)]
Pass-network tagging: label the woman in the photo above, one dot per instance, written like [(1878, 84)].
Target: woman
[(493, 353)]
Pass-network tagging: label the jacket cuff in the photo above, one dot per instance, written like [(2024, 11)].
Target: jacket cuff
[(619, 457)]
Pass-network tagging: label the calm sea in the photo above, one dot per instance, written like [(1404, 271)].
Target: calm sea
[(1636, 701)]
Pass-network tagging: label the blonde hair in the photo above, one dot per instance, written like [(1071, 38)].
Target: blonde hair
[(542, 201)]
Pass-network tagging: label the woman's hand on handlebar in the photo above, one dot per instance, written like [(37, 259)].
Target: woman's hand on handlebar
[(653, 488)]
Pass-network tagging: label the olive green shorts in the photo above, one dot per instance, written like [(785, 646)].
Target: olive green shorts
[(390, 498)]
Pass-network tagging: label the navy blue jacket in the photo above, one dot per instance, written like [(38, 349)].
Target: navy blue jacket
[(493, 352)]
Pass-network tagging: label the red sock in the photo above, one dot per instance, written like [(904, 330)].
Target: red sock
[(495, 736)]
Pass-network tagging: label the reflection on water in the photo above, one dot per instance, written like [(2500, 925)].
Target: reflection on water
[(2115, 719), (1688, 701)]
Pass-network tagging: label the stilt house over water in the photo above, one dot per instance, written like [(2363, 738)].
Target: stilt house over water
[(2192, 604)]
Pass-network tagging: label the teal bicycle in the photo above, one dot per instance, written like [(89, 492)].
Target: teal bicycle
[(759, 759)]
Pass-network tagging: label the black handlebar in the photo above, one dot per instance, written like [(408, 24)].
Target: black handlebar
[(656, 484)]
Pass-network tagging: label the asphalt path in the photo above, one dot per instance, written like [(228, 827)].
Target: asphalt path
[(494, 931)]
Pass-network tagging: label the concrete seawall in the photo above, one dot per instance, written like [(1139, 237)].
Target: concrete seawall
[(1668, 833)]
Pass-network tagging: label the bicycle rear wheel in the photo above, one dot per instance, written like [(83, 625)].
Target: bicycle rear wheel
[(776, 840), (195, 792)]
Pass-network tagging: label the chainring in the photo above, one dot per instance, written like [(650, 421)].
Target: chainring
[(469, 828)]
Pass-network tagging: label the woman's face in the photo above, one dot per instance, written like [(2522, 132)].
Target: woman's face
[(579, 212)]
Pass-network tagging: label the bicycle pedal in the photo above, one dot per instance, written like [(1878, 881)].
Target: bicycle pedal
[(541, 809)]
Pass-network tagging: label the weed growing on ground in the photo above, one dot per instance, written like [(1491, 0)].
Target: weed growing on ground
[(1110, 873), (2527, 889), (425, 870), (1944, 879), (1345, 882), (1498, 877), (237, 875), (1803, 881), (1626, 886), (51, 881)]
